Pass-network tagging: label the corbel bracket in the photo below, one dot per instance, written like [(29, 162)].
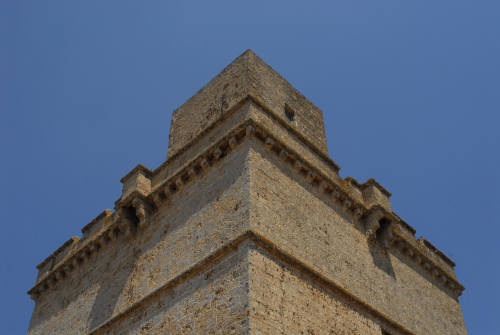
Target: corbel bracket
[(372, 223)]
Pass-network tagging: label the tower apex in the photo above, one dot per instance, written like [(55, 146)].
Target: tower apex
[(248, 76)]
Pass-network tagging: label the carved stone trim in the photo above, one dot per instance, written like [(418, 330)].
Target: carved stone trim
[(274, 251), (372, 224), (401, 243), (120, 225)]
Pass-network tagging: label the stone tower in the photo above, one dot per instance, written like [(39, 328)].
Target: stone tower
[(247, 228)]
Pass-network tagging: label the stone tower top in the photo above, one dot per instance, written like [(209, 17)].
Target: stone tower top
[(247, 76), (247, 228)]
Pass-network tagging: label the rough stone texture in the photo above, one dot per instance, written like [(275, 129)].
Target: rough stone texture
[(138, 179), (188, 228), (319, 232), (284, 301), (249, 110), (247, 228), (212, 301), (246, 76)]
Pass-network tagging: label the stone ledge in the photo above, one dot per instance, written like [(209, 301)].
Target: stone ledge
[(96, 224), (60, 252), (396, 236), (295, 132), (274, 250), (222, 148), (312, 176), (429, 245), (422, 258), (233, 109), (372, 182)]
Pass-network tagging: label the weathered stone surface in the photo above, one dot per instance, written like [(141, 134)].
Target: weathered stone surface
[(285, 301), (321, 233), (139, 179), (247, 228), (246, 76), (214, 300), (193, 224)]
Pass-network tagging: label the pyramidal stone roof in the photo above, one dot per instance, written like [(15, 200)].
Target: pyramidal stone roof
[(247, 76)]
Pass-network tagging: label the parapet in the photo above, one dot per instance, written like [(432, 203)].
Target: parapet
[(57, 256), (97, 224), (137, 180), (423, 241), (371, 193)]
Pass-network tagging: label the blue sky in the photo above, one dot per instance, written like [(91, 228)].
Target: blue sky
[(410, 92)]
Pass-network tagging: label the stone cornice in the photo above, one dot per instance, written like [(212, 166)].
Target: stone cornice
[(276, 252), (65, 245), (397, 237), (314, 177), (295, 132), (236, 107), (233, 138), (429, 245), (142, 206), (99, 217)]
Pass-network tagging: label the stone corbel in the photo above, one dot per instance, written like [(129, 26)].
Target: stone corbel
[(387, 237), (141, 211), (372, 224), (249, 131), (232, 142), (125, 223)]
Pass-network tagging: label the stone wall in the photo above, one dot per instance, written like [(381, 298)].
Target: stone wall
[(295, 216), (214, 300), (191, 225), (284, 301)]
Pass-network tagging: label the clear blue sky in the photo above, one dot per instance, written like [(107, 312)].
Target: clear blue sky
[(410, 92)]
